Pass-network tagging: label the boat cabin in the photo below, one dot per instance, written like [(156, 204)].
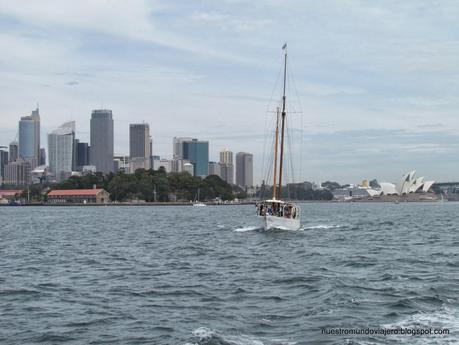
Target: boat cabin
[(277, 208)]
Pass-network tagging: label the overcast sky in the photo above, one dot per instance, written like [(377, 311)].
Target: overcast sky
[(377, 82)]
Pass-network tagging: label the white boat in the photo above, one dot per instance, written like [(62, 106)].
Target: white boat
[(278, 214), (196, 202)]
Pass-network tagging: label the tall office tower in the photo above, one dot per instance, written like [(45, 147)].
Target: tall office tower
[(226, 166), (81, 155), (197, 152), (151, 153), (102, 140), (3, 162), (14, 151), (139, 146), (214, 169), (18, 173), (226, 156), (42, 158), (61, 150), (177, 143), (244, 169), (29, 138)]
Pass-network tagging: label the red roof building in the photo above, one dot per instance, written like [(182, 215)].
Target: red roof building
[(10, 193), (79, 196)]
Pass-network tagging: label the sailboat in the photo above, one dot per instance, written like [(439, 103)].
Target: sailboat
[(196, 202), (276, 213)]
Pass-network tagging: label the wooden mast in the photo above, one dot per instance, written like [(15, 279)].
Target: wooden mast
[(281, 163), (276, 145)]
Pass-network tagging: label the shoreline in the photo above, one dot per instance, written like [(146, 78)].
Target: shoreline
[(144, 204)]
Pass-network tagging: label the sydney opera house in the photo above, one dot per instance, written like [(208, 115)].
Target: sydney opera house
[(408, 184)]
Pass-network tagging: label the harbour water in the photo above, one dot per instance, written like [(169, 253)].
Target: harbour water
[(207, 275)]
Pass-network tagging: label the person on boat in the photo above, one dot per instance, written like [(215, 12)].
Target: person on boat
[(287, 211), (293, 212), (260, 209)]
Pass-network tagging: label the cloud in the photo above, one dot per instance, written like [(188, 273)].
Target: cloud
[(133, 20), (232, 23), (371, 78)]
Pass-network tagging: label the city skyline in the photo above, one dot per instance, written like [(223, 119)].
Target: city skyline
[(25, 161), (378, 86)]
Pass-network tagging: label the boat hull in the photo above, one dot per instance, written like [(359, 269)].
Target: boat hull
[(282, 223)]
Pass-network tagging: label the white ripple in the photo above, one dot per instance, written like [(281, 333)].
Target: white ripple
[(247, 228), (320, 226), (205, 334), (442, 318)]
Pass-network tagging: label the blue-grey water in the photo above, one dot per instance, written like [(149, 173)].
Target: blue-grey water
[(206, 275)]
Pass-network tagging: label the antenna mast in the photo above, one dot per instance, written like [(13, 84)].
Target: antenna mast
[(283, 123), (276, 145)]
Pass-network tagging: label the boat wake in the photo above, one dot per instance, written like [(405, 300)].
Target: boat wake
[(320, 226), (247, 228), (207, 336), (444, 318)]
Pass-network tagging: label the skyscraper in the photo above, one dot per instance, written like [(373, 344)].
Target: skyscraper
[(61, 150), (244, 169), (140, 145), (29, 138), (214, 169), (177, 143), (81, 155), (226, 166), (226, 156), (42, 158), (3, 162), (197, 152), (14, 151), (102, 140), (18, 173)]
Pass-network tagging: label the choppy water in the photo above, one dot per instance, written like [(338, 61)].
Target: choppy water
[(178, 275)]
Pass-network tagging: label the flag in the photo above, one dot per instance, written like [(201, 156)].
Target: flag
[(284, 46)]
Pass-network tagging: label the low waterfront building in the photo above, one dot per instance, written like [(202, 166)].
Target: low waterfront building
[(354, 192), (79, 196), (10, 194)]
